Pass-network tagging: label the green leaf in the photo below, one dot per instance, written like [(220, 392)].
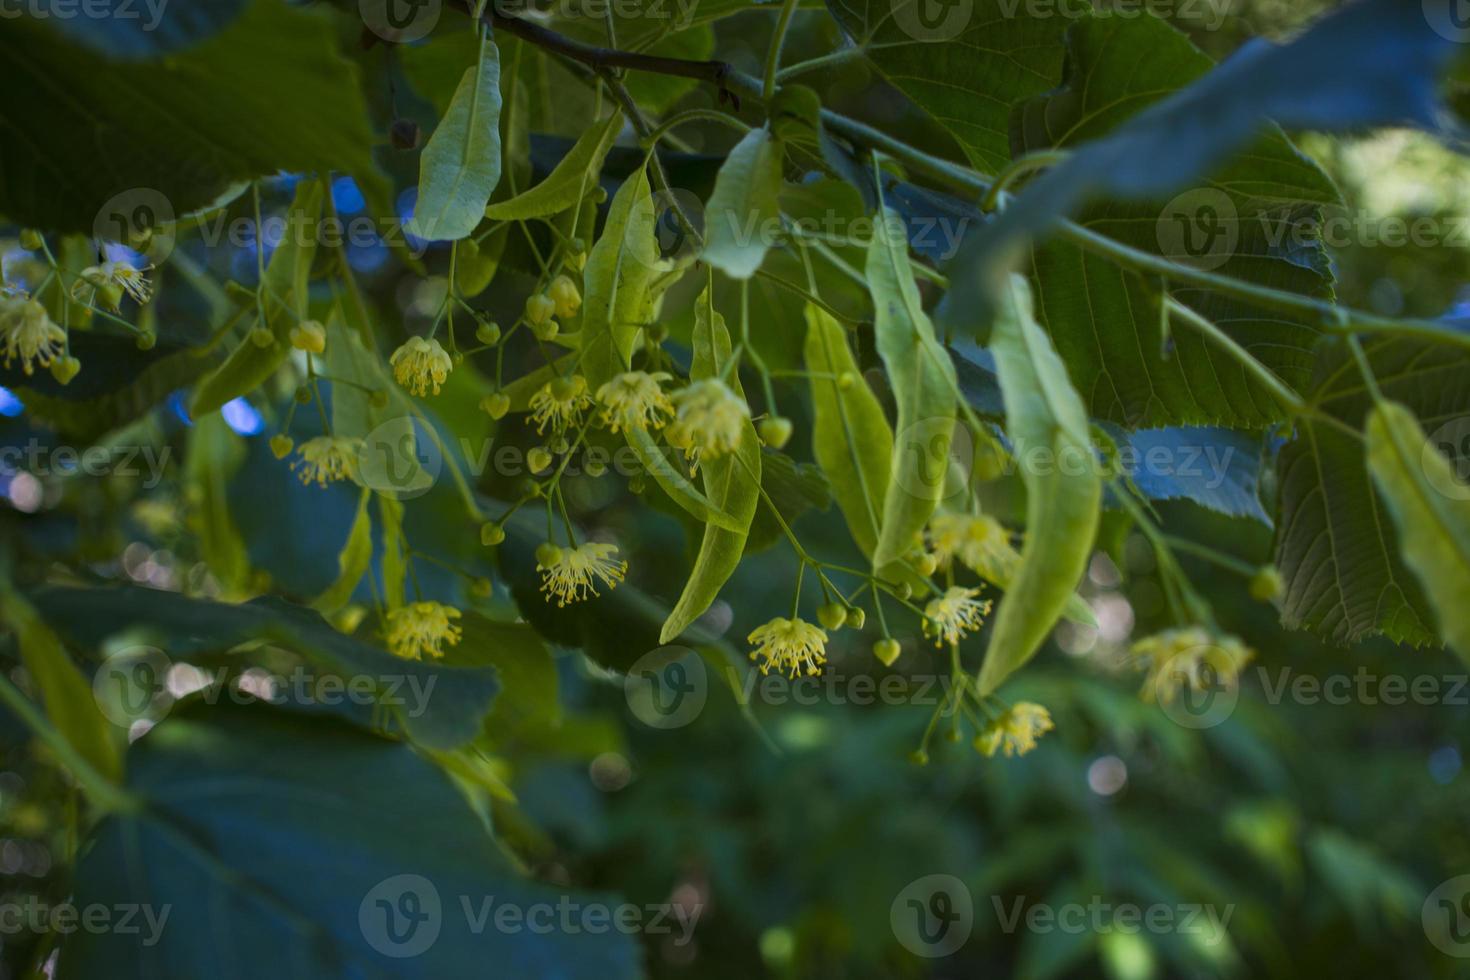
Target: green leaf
[(447, 716), (967, 66), (213, 455), (128, 30), (668, 475), (65, 693), (923, 381), (1242, 223), (732, 483), (569, 181), (188, 126), (1336, 548), (352, 561), (851, 439), (1063, 501), (1431, 509), (619, 279), (528, 702), (744, 212), (460, 165), (297, 841)]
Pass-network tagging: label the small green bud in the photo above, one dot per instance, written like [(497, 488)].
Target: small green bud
[(775, 431), (496, 405), (856, 618), (30, 240), (832, 616), (539, 459), (887, 651), (919, 757), (1267, 585), (488, 334), (262, 338), (303, 395), (491, 534), (548, 555), (281, 445)]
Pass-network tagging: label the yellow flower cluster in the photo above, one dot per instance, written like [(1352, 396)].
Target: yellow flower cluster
[(1016, 731), (327, 459), (28, 333), (1195, 658), (791, 646), (417, 628), (710, 420), (419, 364), (950, 616), (571, 574)]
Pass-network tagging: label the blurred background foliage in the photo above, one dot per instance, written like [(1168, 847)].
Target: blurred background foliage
[(795, 826)]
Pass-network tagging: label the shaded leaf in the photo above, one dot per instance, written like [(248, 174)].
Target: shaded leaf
[(460, 165), (745, 210)]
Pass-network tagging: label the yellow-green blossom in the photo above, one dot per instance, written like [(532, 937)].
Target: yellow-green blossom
[(419, 364), (1016, 731), (1192, 657), (560, 403), (418, 628), (29, 334), (710, 420), (980, 542), (634, 400), (950, 616), (327, 459), (571, 574), (790, 646)]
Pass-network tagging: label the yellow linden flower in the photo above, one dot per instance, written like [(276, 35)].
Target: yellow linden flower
[(310, 336), (29, 334), (560, 403), (950, 616), (112, 279), (326, 459), (422, 627), (1015, 731), (790, 645), (419, 363), (634, 400), (980, 542), (1193, 657), (563, 292), (711, 419), (570, 574)]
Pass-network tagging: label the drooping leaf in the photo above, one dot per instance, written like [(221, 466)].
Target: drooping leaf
[(619, 275), (1249, 221), (1336, 546), (65, 694), (744, 211), (1373, 63), (460, 165), (1431, 510), (923, 382), (258, 825), (185, 127), (1063, 499), (569, 182), (851, 438), (731, 482), (965, 64), (669, 475), (456, 701)]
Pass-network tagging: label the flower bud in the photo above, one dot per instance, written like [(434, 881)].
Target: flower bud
[(281, 445), (491, 534), (887, 651), (495, 405), (775, 431)]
